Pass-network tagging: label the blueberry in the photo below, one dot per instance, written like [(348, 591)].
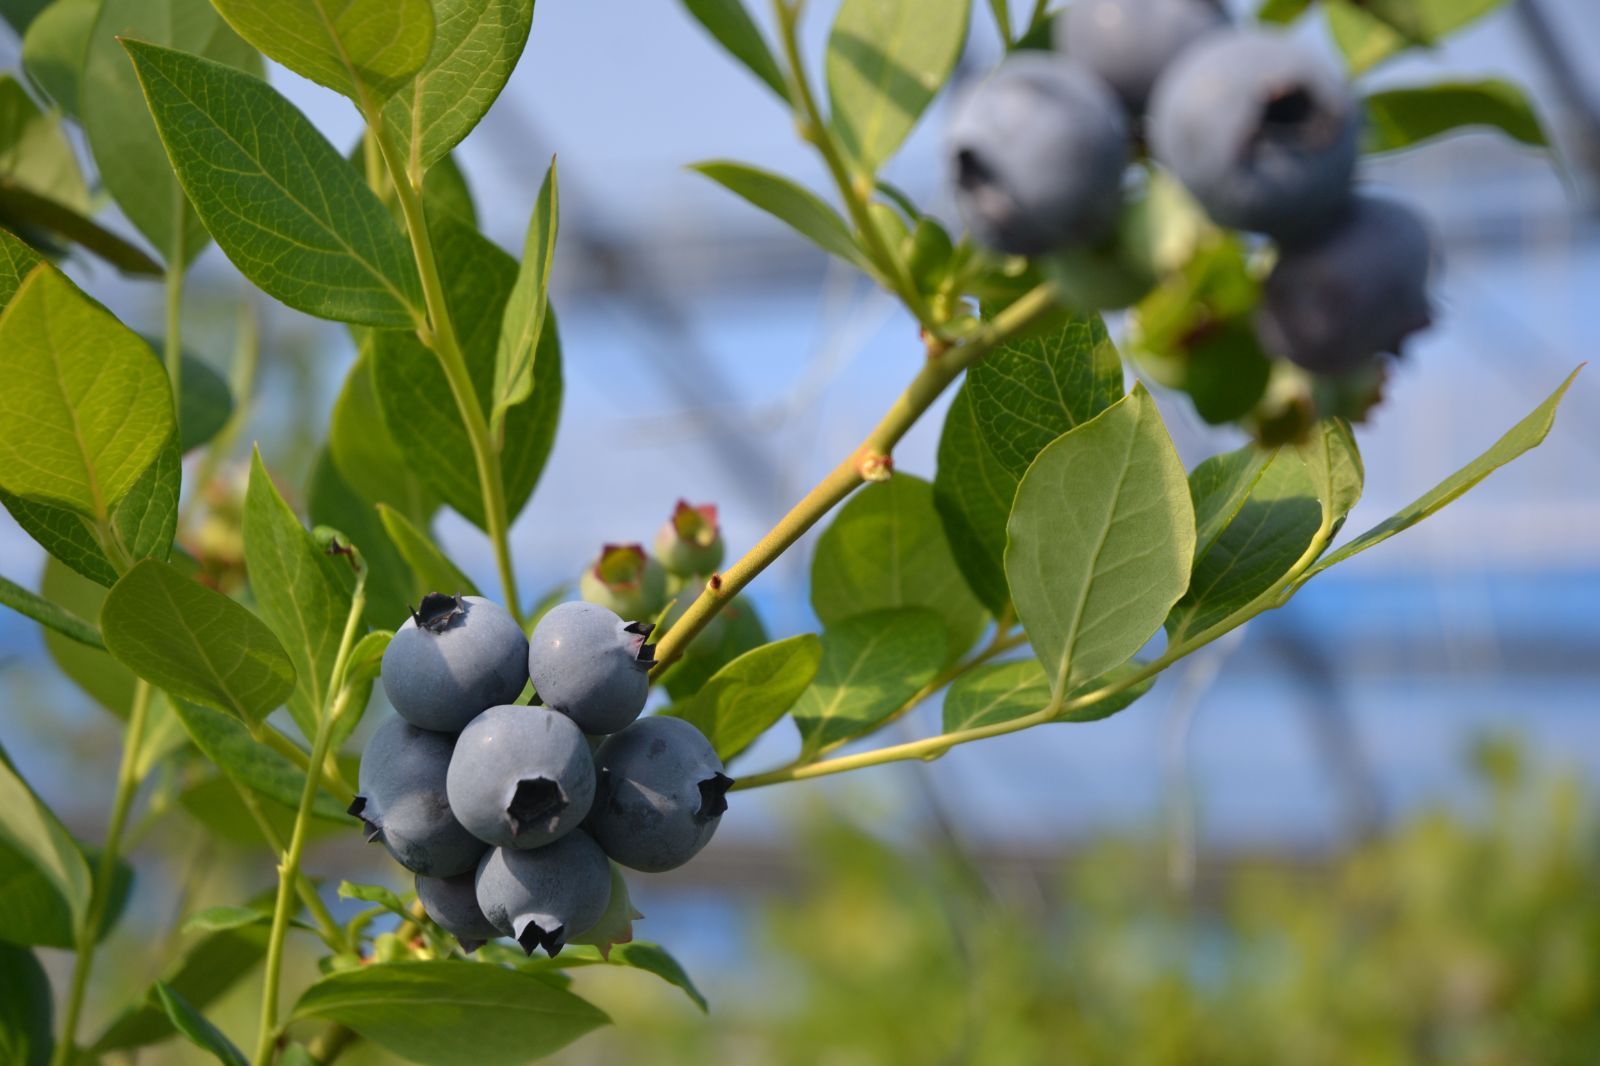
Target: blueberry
[(403, 802), (1038, 149), (591, 665), (1261, 130), (1128, 43), (521, 776), (689, 544), (661, 794), (546, 896), (1361, 288), (454, 656), (452, 902), (625, 580)]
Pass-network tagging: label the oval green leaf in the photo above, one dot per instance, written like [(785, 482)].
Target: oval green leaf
[(1101, 540), (752, 693), (365, 49), (872, 665)]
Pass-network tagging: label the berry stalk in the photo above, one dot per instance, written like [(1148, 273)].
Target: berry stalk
[(289, 869), (438, 332), (871, 459)]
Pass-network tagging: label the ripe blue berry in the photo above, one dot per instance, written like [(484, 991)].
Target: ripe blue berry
[(1260, 129), (546, 896), (403, 802), (452, 902), (521, 776), (661, 794), (626, 581), (689, 544), (455, 656), (1360, 288), (1038, 149), (589, 664), (1128, 43)]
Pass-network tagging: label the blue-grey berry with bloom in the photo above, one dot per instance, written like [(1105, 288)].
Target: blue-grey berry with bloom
[(1038, 149), (591, 665), (545, 897), (1128, 43), (662, 792), (452, 902), (521, 777), (1334, 304), (403, 803), (1261, 129), (454, 657)]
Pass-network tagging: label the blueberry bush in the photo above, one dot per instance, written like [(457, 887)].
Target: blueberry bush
[(1193, 172)]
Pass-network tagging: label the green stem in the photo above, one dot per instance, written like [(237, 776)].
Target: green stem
[(105, 874), (440, 335), (289, 869), (930, 748), (871, 459), (332, 933), (855, 191)]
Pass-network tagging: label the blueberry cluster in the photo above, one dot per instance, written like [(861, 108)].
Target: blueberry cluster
[(1259, 129), (509, 813)]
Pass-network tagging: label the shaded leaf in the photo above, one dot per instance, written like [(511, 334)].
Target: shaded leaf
[(731, 25), (194, 1026), (886, 61), (1013, 403), (195, 643), (742, 631), (1399, 118), (106, 681), (433, 568), (25, 1009), (251, 763), (524, 315), (294, 217), (793, 204), (31, 831), (420, 1009), (54, 47), (752, 693), (887, 548), (1003, 692), (872, 664), (206, 970), (50, 615), (335, 503)]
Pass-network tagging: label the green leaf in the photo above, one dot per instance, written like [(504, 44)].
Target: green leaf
[(1102, 536), (523, 319), (28, 211), (742, 631), (1281, 11), (1399, 118), (54, 47), (301, 592), (365, 49), (195, 643), (735, 30), (384, 897), (251, 763), (872, 665), (1520, 438), (334, 502), (107, 681), (366, 453), (433, 568), (87, 406), (476, 44), (637, 954), (25, 1009), (800, 208), (1014, 402), (1334, 462), (132, 161), (1256, 513), (415, 395), (33, 913), (421, 1009), (1370, 31), (887, 59), (196, 1029), (366, 658), (50, 615), (143, 521), (215, 919), (294, 217), (208, 969), (30, 830), (1003, 692), (887, 548), (34, 151), (752, 693)]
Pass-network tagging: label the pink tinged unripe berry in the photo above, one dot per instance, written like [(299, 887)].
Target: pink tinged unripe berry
[(689, 544), (624, 579)]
